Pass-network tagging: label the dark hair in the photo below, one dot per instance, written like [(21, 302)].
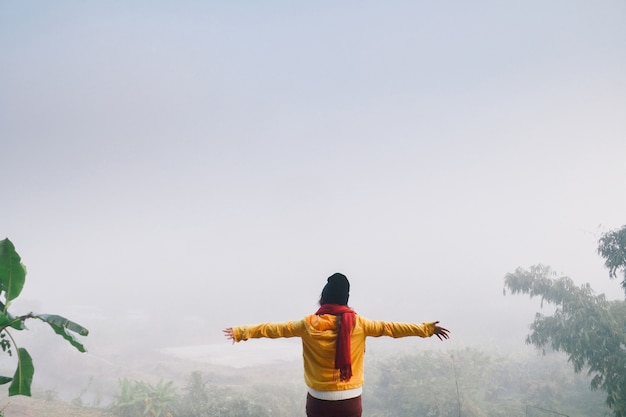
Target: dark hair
[(336, 290)]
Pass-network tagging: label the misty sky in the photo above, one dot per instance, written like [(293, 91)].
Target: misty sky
[(216, 161)]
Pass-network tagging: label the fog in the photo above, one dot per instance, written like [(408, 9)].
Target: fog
[(171, 169)]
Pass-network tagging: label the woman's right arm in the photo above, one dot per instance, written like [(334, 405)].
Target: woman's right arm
[(395, 329)]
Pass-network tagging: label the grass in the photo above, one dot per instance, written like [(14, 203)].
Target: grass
[(20, 406)]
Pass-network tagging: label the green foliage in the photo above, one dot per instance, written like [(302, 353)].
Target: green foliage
[(202, 400), (138, 398), (238, 407), (488, 386), (64, 328), (409, 388), (23, 374), (612, 247), (127, 399), (12, 272), (410, 384), (12, 278), (585, 326), (195, 401)]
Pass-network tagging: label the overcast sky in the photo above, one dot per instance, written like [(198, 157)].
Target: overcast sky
[(219, 160)]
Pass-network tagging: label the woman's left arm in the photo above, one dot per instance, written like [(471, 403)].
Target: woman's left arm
[(269, 330)]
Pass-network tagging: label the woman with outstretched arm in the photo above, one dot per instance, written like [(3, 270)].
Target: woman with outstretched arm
[(333, 345)]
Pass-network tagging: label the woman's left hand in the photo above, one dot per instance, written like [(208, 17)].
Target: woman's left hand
[(228, 332)]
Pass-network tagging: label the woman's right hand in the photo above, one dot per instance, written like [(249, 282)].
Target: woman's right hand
[(441, 332)]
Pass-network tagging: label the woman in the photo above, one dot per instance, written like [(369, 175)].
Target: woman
[(333, 345)]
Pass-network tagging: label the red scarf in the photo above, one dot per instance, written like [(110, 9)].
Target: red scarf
[(343, 357)]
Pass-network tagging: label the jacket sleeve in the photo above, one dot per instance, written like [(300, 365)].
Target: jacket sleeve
[(394, 329), (269, 330)]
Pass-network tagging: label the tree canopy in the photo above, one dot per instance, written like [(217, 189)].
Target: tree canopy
[(587, 327), (612, 247)]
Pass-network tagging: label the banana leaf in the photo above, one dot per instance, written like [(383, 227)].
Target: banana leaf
[(23, 377), (12, 272), (63, 327)]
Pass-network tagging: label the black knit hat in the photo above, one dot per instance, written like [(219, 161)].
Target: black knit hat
[(336, 291)]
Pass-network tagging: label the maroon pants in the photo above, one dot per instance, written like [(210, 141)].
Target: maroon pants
[(342, 408)]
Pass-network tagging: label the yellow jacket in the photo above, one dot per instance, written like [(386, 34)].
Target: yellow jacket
[(318, 335)]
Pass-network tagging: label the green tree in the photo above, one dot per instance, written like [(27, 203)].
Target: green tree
[(475, 383), (612, 247), (589, 329), (195, 400), (434, 384), (12, 278), (138, 398), (128, 399)]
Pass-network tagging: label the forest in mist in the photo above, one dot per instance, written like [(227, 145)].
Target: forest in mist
[(128, 377), (403, 383)]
